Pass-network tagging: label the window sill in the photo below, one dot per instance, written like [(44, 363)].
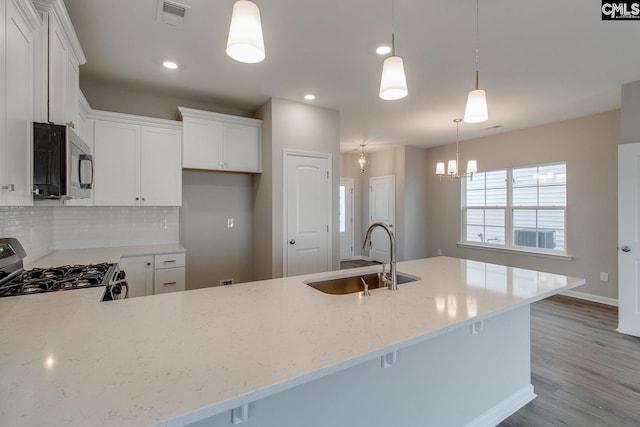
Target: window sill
[(515, 251)]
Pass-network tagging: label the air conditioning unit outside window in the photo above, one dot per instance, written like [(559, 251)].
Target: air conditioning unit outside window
[(533, 238)]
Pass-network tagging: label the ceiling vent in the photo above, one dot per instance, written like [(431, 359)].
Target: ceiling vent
[(171, 13)]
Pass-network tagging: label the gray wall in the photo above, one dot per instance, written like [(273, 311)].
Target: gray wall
[(295, 126), (589, 147), (215, 252), (107, 96), (407, 164), (630, 113)]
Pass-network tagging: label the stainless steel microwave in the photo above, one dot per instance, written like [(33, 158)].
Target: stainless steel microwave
[(62, 163)]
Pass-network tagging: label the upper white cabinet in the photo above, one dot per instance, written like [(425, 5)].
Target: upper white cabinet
[(137, 161), (221, 142), (20, 23), (62, 58)]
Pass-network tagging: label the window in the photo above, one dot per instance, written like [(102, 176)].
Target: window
[(520, 208)]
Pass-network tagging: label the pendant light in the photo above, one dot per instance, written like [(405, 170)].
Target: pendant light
[(476, 110), (393, 83), (245, 42), (363, 159), (452, 166)]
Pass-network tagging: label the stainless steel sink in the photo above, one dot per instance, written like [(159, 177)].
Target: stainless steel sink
[(352, 284)]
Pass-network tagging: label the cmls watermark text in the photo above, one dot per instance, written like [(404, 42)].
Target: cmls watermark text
[(620, 10)]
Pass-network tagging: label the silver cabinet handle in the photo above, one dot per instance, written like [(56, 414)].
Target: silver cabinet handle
[(625, 248), (137, 198), (170, 283), (10, 187), (292, 242), (170, 261)]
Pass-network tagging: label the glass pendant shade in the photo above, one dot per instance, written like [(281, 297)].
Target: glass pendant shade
[(362, 161), (393, 84), (440, 168), (472, 167), (476, 110), (245, 42), (452, 168)]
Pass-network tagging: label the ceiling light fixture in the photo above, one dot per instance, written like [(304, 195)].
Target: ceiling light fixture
[(452, 166), (363, 159), (170, 65), (393, 83), (309, 97), (245, 42), (476, 109)]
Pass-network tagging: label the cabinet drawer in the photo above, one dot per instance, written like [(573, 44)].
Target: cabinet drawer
[(168, 280), (169, 261)]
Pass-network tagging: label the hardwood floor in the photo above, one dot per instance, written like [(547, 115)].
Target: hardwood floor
[(583, 371)]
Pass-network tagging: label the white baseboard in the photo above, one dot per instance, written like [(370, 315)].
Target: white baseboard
[(591, 297), (504, 409)]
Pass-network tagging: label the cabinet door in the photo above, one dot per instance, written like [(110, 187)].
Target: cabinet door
[(139, 275), (242, 148), (160, 167), (117, 164), (168, 280), (202, 144), (17, 157), (58, 53)]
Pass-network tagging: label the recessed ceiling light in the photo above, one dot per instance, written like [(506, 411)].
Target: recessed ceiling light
[(170, 65), (383, 49), (309, 97)]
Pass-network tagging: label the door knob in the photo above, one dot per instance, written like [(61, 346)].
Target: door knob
[(292, 242), (625, 248)]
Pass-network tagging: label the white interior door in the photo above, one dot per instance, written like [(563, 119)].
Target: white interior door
[(346, 218), (382, 208), (308, 214), (629, 239)]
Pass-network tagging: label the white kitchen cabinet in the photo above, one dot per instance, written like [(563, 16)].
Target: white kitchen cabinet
[(64, 56), (139, 274), (136, 163), (20, 22), (214, 141), (169, 273), (154, 274)]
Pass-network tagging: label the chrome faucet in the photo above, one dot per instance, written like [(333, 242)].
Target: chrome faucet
[(392, 281)]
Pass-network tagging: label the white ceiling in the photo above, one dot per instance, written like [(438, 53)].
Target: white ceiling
[(540, 61)]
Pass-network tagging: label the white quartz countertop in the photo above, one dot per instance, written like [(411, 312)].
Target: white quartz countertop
[(99, 255), (68, 359)]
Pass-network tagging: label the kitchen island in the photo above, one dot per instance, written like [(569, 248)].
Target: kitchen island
[(450, 349)]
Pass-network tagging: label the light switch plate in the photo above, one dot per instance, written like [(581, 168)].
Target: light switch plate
[(229, 222)]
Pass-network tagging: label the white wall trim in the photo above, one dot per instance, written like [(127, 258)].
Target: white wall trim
[(209, 115), (285, 239), (504, 409), (133, 119), (515, 251), (591, 297)]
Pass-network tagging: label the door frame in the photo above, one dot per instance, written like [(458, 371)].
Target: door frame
[(286, 153), (350, 182)]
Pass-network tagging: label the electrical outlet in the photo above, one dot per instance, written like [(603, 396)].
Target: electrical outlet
[(439, 251), (604, 277), (226, 282), (229, 222)]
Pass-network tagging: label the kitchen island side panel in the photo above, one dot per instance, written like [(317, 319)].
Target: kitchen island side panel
[(460, 378)]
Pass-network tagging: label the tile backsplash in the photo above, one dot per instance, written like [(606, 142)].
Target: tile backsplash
[(32, 226), (109, 226)]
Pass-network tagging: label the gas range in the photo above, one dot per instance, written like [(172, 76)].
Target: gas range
[(15, 280)]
